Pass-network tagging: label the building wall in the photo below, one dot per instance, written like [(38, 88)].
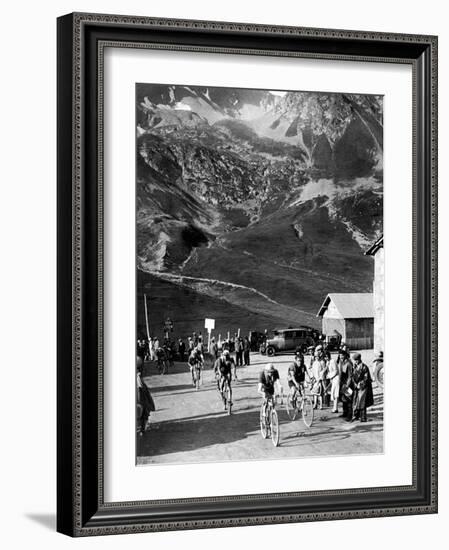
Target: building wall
[(330, 324), (379, 297), (360, 333), (332, 312)]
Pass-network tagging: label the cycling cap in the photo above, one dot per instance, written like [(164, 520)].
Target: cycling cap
[(269, 367)]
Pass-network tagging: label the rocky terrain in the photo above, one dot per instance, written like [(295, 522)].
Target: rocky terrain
[(252, 205)]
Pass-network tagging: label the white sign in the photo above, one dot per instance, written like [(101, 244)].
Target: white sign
[(209, 324)]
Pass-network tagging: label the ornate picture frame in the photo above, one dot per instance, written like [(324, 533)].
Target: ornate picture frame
[(81, 507)]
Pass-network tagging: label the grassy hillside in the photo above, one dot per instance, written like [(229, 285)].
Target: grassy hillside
[(188, 309)]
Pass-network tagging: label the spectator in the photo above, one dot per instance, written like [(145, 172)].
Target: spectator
[(215, 349), (333, 375), (141, 349), (181, 350), (246, 351), (346, 384), (145, 403), (239, 352), (319, 374), (151, 352), (363, 389), (191, 344)]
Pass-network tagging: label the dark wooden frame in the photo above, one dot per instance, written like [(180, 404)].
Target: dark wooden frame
[(81, 509)]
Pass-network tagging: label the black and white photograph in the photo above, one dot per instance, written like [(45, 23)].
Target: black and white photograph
[(259, 273)]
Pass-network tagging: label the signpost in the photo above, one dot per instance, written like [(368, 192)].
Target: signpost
[(209, 324)]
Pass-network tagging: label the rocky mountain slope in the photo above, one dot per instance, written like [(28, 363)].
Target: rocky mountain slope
[(263, 202)]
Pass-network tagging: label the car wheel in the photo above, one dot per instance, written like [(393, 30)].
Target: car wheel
[(271, 351)]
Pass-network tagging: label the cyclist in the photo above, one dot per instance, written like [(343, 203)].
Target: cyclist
[(296, 375), (268, 381), (223, 372), (195, 360), (161, 358)]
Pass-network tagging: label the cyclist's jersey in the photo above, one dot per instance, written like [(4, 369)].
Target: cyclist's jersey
[(195, 359), (223, 367), (267, 379), (297, 372)]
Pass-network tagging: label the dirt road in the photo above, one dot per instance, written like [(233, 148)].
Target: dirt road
[(190, 425)]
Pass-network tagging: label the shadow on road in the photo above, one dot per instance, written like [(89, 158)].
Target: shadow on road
[(197, 432)]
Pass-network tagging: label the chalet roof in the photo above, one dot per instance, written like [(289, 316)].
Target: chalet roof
[(375, 246), (357, 305)]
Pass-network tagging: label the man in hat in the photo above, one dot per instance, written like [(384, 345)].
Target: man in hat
[(363, 388), (346, 385)]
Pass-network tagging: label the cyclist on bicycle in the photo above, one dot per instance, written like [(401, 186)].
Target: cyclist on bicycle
[(269, 380), (161, 360), (223, 372), (296, 375), (195, 361)]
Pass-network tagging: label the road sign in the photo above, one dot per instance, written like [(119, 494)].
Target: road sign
[(209, 324)]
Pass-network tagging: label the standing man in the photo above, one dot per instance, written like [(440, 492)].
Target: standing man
[(363, 388), (246, 351), (191, 345), (346, 384), (333, 375), (215, 349), (145, 403), (151, 349), (181, 350), (141, 349), (239, 352), (156, 345)]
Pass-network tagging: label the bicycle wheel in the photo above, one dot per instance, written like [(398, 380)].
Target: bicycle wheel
[(291, 406), (307, 411), (228, 399), (197, 379), (263, 422), (379, 375), (275, 430)]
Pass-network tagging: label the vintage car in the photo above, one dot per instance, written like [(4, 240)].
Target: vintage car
[(290, 340), (256, 340)]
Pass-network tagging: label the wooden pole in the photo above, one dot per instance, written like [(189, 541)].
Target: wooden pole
[(146, 316)]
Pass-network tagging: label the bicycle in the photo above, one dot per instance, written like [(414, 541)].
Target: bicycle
[(299, 402), (269, 421), (197, 375), (162, 365), (226, 395)]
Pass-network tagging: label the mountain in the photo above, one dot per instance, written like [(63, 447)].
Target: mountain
[(258, 202)]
